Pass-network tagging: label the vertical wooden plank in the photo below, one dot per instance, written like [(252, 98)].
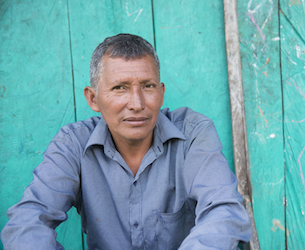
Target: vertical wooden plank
[(36, 94), (239, 134), (259, 44), (292, 19), (91, 22), (191, 46)]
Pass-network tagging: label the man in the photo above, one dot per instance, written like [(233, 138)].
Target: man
[(140, 178)]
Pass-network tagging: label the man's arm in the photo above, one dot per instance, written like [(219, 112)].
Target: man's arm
[(221, 220), (46, 200)]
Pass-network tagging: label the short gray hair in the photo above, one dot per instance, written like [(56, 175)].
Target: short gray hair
[(125, 46)]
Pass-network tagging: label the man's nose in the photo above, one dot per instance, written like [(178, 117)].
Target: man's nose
[(136, 101)]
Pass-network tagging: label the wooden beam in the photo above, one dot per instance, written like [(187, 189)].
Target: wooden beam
[(237, 112)]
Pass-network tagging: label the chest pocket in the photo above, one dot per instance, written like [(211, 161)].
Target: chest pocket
[(172, 228)]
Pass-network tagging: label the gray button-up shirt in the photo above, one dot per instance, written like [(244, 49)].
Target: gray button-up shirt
[(183, 195)]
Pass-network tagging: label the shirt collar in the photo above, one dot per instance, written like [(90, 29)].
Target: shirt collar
[(99, 134), (164, 130)]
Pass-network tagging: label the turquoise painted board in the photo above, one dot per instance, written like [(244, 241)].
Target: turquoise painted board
[(90, 24), (191, 47), (46, 49), (36, 96), (292, 21), (259, 46)]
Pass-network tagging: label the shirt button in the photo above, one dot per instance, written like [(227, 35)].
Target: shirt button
[(136, 224), (135, 183)]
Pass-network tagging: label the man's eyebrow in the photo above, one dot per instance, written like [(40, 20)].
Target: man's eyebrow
[(120, 82), (147, 81), (129, 82)]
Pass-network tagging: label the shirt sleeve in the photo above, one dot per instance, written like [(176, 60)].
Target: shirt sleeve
[(52, 192), (221, 220)]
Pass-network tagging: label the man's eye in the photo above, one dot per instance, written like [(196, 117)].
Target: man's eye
[(118, 88), (150, 85)]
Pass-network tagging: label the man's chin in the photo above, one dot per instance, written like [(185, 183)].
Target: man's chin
[(138, 136)]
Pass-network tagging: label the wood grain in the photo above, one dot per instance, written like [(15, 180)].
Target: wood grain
[(190, 43), (36, 94), (292, 31), (259, 44)]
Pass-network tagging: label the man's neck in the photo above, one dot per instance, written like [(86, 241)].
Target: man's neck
[(133, 152)]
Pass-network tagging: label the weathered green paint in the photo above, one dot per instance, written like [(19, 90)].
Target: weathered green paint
[(292, 21), (191, 47), (36, 96), (259, 45), (45, 51)]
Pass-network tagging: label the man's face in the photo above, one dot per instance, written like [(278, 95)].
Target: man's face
[(129, 98)]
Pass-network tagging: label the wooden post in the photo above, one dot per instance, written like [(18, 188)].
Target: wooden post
[(238, 113)]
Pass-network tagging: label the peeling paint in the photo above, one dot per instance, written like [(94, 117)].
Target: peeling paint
[(290, 58), (298, 89), (298, 50), (139, 11), (277, 224), (269, 16), (299, 121), (274, 183), (250, 14), (262, 114), (300, 166), (295, 2)]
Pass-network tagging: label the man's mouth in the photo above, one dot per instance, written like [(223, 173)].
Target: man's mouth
[(136, 121)]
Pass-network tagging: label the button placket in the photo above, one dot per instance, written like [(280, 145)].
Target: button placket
[(135, 215)]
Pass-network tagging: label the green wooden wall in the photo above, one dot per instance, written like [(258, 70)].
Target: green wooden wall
[(261, 71), (273, 66), (292, 33), (45, 50)]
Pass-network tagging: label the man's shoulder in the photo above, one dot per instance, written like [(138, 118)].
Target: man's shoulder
[(186, 119), (78, 132), (194, 126), (81, 128), (88, 124)]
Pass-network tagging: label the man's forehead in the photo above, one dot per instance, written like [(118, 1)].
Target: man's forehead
[(116, 64), (108, 58)]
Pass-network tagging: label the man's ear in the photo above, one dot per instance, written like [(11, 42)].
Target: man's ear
[(91, 97)]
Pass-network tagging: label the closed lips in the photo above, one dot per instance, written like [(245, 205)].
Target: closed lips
[(132, 119)]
